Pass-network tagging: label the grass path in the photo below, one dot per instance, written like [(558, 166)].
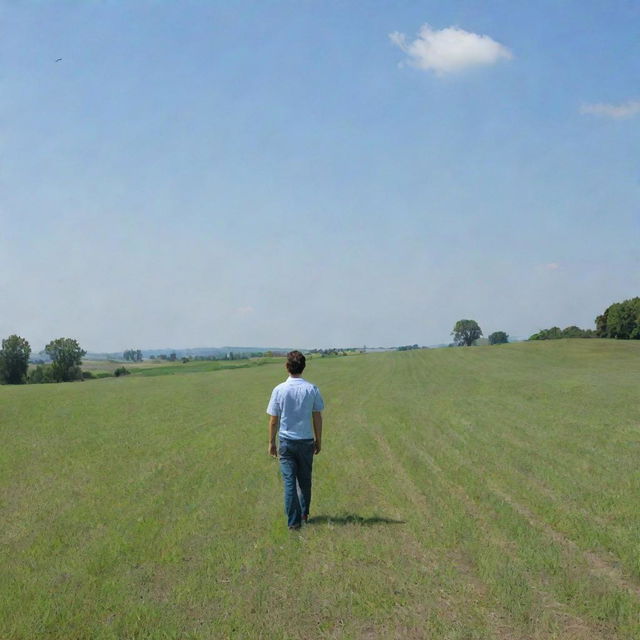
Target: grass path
[(461, 493)]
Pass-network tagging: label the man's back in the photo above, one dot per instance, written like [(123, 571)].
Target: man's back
[(293, 401)]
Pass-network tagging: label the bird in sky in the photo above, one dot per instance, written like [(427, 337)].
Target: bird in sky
[(58, 59)]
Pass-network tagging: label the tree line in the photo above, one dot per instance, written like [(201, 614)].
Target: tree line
[(621, 321), (555, 333), (65, 353)]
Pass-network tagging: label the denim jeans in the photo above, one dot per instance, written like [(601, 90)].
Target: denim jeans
[(296, 460)]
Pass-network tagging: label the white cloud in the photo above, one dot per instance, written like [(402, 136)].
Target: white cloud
[(244, 311), (624, 110), (549, 266), (450, 50)]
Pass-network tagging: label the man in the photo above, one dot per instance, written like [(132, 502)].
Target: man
[(294, 405)]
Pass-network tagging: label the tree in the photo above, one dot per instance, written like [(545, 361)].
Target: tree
[(14, 360), (601, 324), (498, 337), (466, 332), (621, 320), (66, 355)]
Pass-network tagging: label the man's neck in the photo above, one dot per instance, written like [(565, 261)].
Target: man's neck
[(295, 375)]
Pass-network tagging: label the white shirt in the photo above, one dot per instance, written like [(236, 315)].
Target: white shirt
[(293, 401)]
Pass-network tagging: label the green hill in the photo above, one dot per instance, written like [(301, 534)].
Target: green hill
[(485, 492)]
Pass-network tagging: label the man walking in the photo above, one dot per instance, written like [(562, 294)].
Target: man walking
[(293, 406)]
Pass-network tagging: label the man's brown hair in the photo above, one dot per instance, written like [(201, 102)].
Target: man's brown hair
[(296, 362)]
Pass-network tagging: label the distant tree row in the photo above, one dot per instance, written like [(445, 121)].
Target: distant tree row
[(621, 320), (230, 355), (133, 355), (556, 333), (172, 357), (325, 353), (408, 347), (236, 356), (65, 353), (334, 351)]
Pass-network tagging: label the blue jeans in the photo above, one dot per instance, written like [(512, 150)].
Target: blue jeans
[(296, 461)]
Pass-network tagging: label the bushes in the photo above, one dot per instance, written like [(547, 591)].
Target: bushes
[(45, 373), (40, 375), (555, 333), (498, 337)]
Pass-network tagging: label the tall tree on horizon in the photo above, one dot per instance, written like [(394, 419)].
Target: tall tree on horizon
[(466, 332), (67, 357), (14, 360)]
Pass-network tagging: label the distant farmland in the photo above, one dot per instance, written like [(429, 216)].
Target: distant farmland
[(163, 367), (487, 492)]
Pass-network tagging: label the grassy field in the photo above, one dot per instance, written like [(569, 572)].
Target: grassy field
[(163, 367), (489, 492)]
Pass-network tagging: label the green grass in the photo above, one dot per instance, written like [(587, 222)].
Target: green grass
[(109, 366), (164, 367), (489, 492), (200, 366)]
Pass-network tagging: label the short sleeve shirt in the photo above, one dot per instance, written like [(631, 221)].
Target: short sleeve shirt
[(293, 401)]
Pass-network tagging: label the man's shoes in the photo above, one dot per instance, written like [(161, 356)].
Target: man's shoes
[(294, 527), (305, 518)]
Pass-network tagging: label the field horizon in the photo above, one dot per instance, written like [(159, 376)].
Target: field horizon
[(484, 492)]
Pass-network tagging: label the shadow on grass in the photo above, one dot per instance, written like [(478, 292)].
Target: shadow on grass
[(352, 518)]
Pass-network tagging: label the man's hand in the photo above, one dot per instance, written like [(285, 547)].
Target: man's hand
[(317, 447), (273, 450)]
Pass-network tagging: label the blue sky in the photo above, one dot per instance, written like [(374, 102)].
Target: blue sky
[(291, 173)]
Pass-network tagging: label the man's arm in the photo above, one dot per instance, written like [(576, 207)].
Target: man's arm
[(317, 430), (273, 430)]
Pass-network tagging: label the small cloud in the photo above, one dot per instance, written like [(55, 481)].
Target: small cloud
[(549, 266), (244, 311), (449, 50), (624, 110)]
